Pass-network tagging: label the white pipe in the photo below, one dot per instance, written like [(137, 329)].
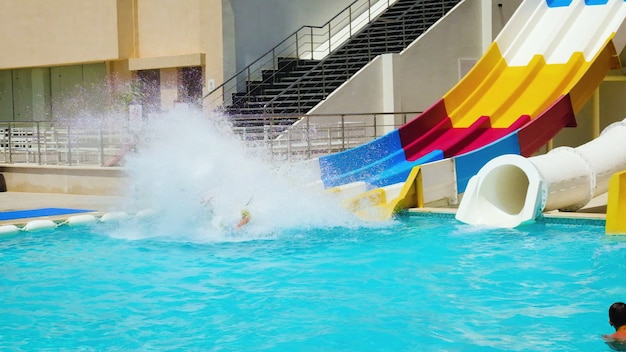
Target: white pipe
[(506, 192), (511, 190)]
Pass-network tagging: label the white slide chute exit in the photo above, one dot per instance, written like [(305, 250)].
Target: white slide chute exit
[(511, 190)]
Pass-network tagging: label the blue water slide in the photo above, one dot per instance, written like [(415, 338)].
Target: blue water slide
[(362, 162), (467, 165)]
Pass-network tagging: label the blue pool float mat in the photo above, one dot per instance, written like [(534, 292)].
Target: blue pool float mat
[(35, 213)]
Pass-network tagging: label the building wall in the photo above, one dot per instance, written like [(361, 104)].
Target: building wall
[(430, 67), (42, 93), (612, 108), (126, 23), (179, 33), (501, 11), (48, 33), (612, 102), (67, 180), (49, 45), (168, 27)]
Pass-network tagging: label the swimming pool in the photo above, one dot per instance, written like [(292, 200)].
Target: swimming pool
[(420, 283)]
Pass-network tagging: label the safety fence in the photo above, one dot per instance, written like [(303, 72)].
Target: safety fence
[(49, 143)]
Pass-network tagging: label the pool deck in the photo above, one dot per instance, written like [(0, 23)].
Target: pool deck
[(10, 201), (594, 212)]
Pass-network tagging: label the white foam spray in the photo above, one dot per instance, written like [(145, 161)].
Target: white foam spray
[(197, 176)]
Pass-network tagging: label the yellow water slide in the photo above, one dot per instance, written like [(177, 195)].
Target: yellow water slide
[(504, 93)]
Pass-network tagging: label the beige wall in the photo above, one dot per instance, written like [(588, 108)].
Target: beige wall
[(612, 102), (212, 42), (49, 33), (362, 93), (126, 23), (501, 11), (168, 27), (63, 32), (68, 180), (171, 32), (612, 108), (429, 67)]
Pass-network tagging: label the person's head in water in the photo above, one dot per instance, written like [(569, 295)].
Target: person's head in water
[(617, 315), (245, 218)]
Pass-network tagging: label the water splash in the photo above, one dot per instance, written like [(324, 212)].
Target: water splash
[(197, 176)]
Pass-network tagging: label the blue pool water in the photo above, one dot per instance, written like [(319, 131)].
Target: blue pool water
[(418, 284)]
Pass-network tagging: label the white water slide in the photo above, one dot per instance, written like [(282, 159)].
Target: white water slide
[(511, 190)]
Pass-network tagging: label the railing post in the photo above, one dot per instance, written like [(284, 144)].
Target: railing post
[(288, 145), (343, 132), (323, 81), (350, 21), (274, 65), (297, 47), (329, 133), (4, 146), (330, 44), (308, 137), (69, 147), (10, 144), (38, 144), (312, 56), (101, 147), (271, 127), (404, 36), (298, 97)]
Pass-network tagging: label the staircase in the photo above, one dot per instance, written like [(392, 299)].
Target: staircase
[(297, 85)]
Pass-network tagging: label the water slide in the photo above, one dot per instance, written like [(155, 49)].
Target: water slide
[(511, 190), (540, 70)]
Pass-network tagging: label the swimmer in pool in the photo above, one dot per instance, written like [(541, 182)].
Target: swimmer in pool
[(617, 319), (245, 218)]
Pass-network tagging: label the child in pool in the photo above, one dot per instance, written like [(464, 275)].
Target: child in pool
[(245, 218), (617, 319)]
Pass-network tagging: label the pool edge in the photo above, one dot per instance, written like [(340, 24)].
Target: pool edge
[(556, 217)]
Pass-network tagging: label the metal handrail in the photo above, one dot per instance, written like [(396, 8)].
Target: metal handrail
[(371, 49), (269, 109), (271, 55), (50, 143)]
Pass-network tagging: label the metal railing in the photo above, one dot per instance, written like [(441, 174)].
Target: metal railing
[(306, 43), (315, 135), (48, 143), (316, 79), (306, 67)]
